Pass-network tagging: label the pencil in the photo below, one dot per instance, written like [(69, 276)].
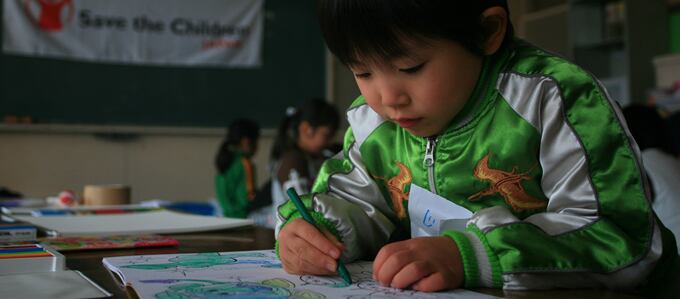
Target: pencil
[(303, 211)]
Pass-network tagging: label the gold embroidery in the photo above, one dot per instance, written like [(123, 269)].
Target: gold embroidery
[(395, 186), (508, 184)]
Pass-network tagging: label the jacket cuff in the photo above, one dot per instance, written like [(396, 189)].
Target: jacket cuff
[(467, 254), (480, 265)]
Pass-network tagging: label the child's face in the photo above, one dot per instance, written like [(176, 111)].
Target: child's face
[(424, 91), (248, 146), (314, 140)]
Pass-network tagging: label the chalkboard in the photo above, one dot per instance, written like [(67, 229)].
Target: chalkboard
[(67, 92)]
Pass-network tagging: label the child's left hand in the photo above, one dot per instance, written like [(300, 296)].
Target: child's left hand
[(426, 264)]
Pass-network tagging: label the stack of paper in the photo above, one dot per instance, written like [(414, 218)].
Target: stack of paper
[(153, 222)]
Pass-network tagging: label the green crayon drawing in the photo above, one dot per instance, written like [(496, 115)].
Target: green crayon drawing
[(266, 289), (205, 260)]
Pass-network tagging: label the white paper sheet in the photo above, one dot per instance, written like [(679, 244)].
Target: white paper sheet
[(431, 214), (249, 274), (154, 222), (58, 284)]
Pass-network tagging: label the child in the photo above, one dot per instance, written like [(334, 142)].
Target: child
[(298, 148), (235, 179), (454, 113), (653, 135)]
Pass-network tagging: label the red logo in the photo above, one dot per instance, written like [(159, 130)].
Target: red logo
[(49, 15)]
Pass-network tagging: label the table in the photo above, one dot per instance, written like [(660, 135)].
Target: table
[(258, 238), (239, 239)]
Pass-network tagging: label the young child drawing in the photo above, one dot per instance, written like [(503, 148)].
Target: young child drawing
[(456, 108)]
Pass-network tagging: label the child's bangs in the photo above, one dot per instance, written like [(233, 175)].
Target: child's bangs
[(369, 32)]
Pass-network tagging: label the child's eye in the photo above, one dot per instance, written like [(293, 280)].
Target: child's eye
[(413, 70), (362, 75)]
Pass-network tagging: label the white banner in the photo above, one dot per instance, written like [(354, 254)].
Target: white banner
[(226, 33)]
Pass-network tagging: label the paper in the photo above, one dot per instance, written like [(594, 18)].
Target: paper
[(431, 214), (59, 284), (154, 222), (249, 274), (77, 210)]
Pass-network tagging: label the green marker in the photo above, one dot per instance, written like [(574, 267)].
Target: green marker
[(303, 211)]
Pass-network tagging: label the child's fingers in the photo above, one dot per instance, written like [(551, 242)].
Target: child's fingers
[(432, 283), (317, 239), (301, 258), (392, 265), (304, 249), (411, 273), (382, 256), (333, 239)]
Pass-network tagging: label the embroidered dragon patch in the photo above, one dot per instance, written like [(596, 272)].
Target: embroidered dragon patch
[(507, 184), (396, 186)]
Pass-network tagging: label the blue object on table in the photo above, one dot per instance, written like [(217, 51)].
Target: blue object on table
[(198, 208), (303, 211)]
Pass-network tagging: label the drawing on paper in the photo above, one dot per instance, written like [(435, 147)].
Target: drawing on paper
[(205, 260), (252, 274), (197, 288)]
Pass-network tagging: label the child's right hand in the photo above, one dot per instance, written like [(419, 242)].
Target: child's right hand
[(304, 249)]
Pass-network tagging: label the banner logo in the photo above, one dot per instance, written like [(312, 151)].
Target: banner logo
[(49, 15)]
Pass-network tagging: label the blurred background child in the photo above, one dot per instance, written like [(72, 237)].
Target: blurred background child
[(653, 135), (235, 179), (298, 150)]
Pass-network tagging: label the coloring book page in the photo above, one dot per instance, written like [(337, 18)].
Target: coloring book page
[(249, 274)]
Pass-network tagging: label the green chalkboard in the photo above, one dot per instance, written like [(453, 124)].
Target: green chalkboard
[(69, 92)]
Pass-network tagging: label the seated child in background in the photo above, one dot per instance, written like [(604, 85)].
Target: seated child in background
[(454, 107), (297, 153), (659, 157), (235, 179)]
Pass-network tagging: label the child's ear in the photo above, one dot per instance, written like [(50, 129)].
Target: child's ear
[(494, 25)]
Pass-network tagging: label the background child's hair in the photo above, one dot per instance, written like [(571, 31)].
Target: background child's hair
[(374, 29), (238, 129), (317, 112)]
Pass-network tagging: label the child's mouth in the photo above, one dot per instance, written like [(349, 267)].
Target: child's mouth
[(407, 122)]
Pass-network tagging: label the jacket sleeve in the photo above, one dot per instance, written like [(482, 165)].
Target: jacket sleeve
[(598, 229), (346, 200)]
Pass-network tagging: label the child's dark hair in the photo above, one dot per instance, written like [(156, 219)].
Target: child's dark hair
[(317, 112), (238, 129), (375, 28)]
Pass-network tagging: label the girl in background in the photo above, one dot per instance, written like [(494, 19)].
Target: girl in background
[(297, 153), (235, 179)]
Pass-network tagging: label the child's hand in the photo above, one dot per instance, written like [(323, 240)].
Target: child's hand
[(304, 249), (426, 264)]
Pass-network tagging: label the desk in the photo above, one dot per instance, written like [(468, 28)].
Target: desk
[(257, 238)]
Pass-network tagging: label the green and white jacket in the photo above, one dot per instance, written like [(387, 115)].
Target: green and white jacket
[(539, 154)]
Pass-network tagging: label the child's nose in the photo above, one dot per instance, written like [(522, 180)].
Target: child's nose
[(393, 96)]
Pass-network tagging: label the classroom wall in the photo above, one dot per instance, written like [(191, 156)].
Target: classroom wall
[(40, 162), (168, 163), (159, 163)]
